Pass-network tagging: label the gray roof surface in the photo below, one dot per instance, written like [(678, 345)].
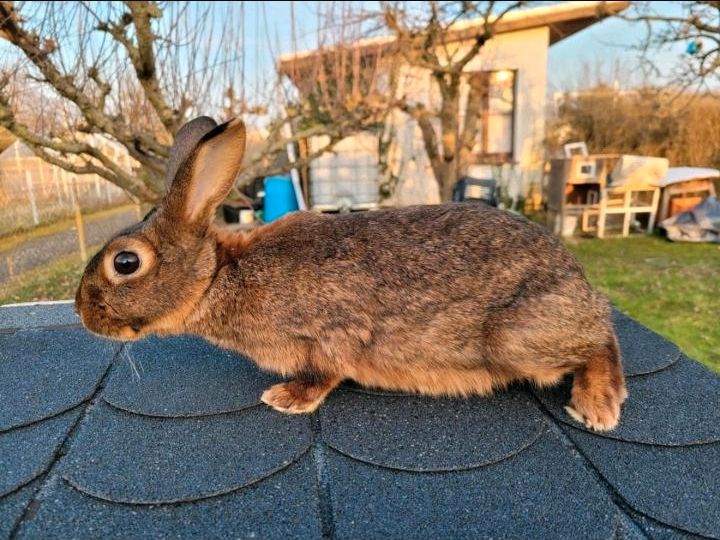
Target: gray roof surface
[(166, 438)]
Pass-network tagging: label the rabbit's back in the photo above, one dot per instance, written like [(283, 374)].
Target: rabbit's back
[(418, 254)]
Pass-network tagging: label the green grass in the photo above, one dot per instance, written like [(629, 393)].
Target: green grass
[(672, 288), (55, 281)]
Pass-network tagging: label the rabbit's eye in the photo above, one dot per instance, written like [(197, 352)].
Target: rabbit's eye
[(126, 262)]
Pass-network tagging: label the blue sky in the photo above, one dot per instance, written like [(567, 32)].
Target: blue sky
[(606, 44)]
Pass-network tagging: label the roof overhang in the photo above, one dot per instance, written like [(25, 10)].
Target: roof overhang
[(563, 20)]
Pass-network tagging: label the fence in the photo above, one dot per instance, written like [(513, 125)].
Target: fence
[(33, 192)]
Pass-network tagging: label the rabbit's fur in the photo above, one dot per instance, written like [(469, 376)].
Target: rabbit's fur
[(453, 299)]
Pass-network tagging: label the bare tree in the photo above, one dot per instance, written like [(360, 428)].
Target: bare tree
[(98, 68), (342, 88), (695, 26), (135, 71), (85, 83), (365, 75)]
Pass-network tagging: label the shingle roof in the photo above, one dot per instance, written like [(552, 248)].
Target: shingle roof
[(167, 439)]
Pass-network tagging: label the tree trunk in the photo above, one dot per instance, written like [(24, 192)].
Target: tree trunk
[(449, 127), (477, 87), (446, 177)]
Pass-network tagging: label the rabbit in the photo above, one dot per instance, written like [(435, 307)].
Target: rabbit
[(454, 299)]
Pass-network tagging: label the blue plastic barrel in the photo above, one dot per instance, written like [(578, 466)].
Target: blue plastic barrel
[(279, 197)]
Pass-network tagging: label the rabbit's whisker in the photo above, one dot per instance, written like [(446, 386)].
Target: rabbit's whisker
[(133, 365)]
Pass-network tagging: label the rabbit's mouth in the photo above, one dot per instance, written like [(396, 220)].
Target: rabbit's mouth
[(113, 329), (127, 332), (106, 322)]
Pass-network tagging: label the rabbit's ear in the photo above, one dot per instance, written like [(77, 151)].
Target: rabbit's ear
[(205, 178), (186, 139)]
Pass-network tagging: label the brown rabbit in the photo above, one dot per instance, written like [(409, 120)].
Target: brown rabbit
[(455, 299)]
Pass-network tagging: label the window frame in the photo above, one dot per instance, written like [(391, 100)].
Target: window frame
[(495, 158)]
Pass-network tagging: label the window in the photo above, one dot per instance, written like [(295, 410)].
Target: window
[(495, 127)]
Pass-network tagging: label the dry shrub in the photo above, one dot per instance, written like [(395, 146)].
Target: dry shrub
[(645, 121)]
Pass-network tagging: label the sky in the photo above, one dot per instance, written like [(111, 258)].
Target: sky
[(604, 45)]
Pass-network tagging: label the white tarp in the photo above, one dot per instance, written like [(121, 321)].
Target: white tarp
[(701, 224), (635, 171)]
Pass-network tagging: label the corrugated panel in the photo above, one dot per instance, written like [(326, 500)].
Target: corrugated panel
[(348, 176)]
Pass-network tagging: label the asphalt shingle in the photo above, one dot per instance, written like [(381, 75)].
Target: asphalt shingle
[(131, 458), (180, 447), (26, 453), (628, 529), (47, 372), (643, 350), (164, 383), (543, 492), (658, 531), (425, 434), (13, 505), (283, 505), (38, 316), (676, 486)]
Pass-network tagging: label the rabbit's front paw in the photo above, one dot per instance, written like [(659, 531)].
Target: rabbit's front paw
[(298, 396)]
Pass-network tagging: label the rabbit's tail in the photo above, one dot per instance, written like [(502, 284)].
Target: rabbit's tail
[(598, 389)]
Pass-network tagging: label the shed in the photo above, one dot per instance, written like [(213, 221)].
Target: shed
[(513, 70), (684, 188)]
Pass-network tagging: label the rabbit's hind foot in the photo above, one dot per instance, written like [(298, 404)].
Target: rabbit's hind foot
[(299, 396), (599, 390)]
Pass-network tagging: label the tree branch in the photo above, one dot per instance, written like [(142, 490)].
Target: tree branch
[(89, 154), (64, 84), (423, 117), (142, 56)]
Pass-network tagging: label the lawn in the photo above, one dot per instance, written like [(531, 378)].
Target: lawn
[(55, 281), (673, 288)]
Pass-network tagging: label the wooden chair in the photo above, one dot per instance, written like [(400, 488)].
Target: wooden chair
[(622, 200), (632, 188)]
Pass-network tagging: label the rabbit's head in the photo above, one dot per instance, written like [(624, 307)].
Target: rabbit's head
[(149, 277)]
